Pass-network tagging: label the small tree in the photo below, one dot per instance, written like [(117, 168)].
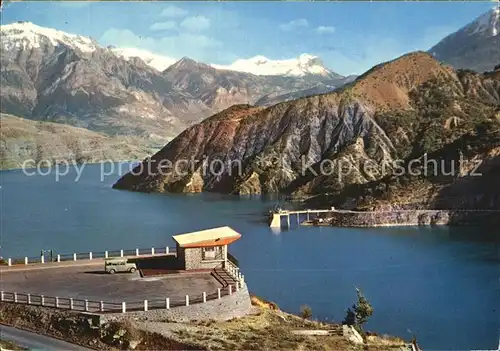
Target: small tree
[(363, 308), (305, 312), (360, 312)]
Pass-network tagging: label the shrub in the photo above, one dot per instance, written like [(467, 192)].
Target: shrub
[(363, 309), (305, 312), (360, 312)]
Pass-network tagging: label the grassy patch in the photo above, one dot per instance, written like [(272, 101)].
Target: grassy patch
[(269, 329), (9, 345)]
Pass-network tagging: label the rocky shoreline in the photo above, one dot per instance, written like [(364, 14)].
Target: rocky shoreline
[(265, 328), (400, 218)]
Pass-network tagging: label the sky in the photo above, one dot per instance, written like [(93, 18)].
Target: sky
[(350, 37)]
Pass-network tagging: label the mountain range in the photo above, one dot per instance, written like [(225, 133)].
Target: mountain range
[(158, 62), (52, 76), (303, 66), (475, 46), (399, 110)]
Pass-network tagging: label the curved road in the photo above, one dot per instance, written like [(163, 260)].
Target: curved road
[(35, 341)]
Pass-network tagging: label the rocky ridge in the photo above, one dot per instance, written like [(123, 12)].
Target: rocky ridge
[(49, 75), (278, 149), (303, 66)]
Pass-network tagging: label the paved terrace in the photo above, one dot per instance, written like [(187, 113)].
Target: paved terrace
[(89, 281), (85, 279)]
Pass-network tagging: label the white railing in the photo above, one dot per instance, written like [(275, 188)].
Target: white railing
[(234, 272), (74, 304), (89, 256)]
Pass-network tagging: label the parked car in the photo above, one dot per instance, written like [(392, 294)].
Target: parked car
[(119, 265)]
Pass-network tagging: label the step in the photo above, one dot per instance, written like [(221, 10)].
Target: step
[(224, 277)]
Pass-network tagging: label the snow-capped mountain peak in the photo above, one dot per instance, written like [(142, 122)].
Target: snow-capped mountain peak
[(303, 65), (258, 60), (305, 58), (474, 46), (26, 34), (158, 62), (486, 24)]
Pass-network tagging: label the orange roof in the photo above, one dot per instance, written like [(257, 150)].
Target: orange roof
[(209, 237)]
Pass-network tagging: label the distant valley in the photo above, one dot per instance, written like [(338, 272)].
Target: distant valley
[(28, 143)]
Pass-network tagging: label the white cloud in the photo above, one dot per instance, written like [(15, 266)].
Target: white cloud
[(325, 30), (196, 46), (173, 11), (295, 24), (196, 23), (163, 25)]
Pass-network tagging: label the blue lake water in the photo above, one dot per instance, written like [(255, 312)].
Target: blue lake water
[(442, 284)]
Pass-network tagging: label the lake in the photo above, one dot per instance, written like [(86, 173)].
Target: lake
[(443, 284)]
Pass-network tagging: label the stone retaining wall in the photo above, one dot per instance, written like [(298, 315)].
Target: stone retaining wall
[(474, 218), (68, 325), (85, 329), (236, 305), (411, 218), (392, 218)]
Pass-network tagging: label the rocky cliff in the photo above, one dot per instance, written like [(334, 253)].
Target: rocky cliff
[(220, 88), (320, 144), (404, 217), (453, 165)]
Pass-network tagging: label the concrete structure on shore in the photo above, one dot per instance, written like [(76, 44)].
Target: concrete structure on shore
[(205, 249), (386, 218), (200, 281), (275, 216)]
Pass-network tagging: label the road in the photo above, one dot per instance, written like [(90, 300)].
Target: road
[(35, 341)]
